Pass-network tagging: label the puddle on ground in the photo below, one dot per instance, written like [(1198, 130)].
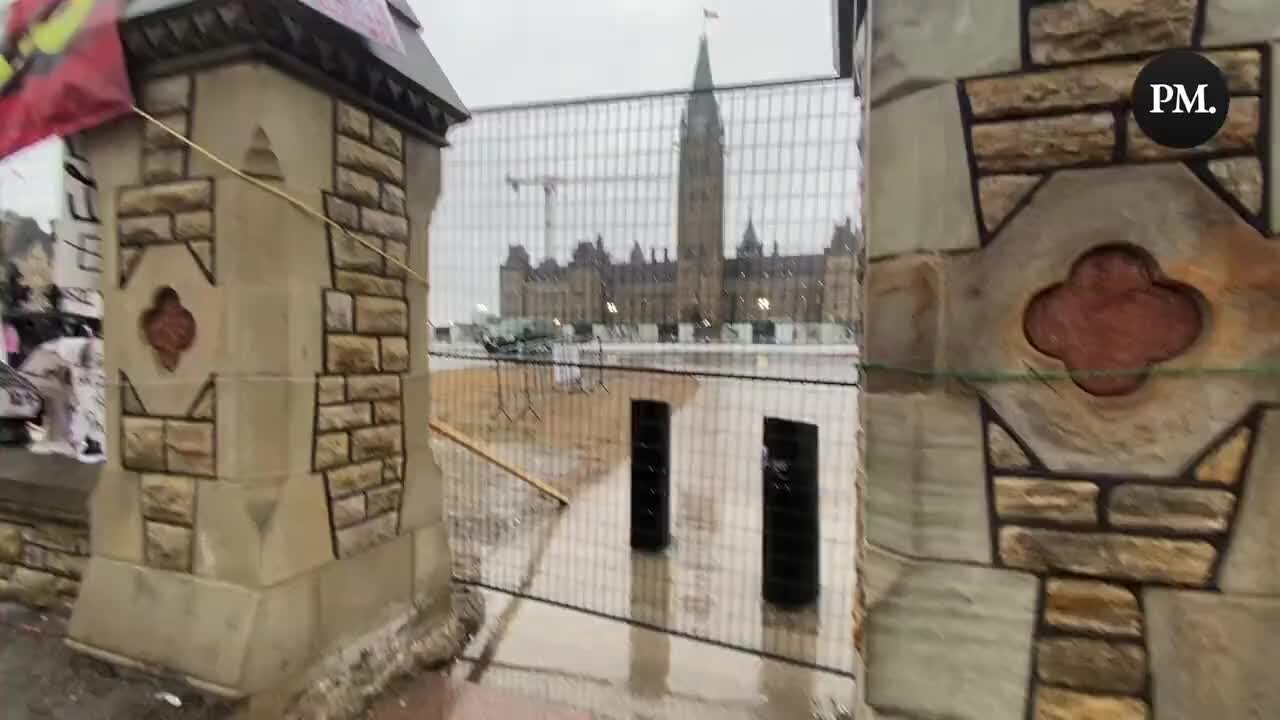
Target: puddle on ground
[(706, 584)]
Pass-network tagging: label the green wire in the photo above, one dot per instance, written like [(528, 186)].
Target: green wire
[(1001, 376)]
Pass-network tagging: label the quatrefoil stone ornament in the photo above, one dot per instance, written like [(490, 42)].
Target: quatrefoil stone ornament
[(169, 328), (1113, 314)]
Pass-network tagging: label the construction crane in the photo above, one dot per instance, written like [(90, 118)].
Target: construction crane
[(549, 185)]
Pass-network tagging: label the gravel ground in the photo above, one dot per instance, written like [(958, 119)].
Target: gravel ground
[(571, 443), (579, 438), (42, 679), (488, 507)]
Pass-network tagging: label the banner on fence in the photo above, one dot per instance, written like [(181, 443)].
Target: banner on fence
[(89, 401), (62, 69), (77, 257), (370, 18), (69, 375), (19, 399)]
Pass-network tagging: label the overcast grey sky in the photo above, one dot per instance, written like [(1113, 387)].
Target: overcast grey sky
[(506, 51), (790, 157), (790, 168), (790, 161)]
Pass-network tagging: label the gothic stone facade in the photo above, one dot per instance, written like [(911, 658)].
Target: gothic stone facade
[(1103, 546), (700, 284)]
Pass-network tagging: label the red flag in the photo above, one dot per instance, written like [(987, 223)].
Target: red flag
[(62, 69)]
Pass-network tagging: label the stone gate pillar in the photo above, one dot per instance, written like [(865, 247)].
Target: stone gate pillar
[(1107, 547), (270, 494)]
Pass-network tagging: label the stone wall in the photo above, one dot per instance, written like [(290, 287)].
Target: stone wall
[(170, 209), (41, 560), (258, 467), (1070, 549), (359, 441), (167, 208)]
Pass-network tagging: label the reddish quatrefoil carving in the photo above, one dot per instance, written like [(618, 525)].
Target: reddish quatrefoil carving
[(169, 328), (1113, 313)]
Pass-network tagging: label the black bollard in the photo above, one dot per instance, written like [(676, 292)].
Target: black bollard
[(650, 475), (790, 469)]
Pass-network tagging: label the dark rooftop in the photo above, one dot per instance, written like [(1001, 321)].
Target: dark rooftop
[(416, 65)]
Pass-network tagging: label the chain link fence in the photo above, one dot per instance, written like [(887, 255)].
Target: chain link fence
[(693, 252)]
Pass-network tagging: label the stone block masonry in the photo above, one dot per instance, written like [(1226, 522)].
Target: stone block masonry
[(1043, 231), (172, 456), (170, 207), (1025, 124), (1097, 542), (41, 561), (359, 429), (245, 395)]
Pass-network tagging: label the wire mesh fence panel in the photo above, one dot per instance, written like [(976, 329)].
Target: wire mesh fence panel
[(650, 304), (709, 582), (704, 217)]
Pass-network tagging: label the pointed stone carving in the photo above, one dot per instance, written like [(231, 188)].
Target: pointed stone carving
[(260, 160), (129, 259), (129, 399), (1000, 194), (261, 508), (203, 253), (1003, 451), (1222, 466), (204, 407), (1242, 178)]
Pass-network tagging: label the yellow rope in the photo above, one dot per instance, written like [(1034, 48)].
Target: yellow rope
[(278, 192), (976, 376)]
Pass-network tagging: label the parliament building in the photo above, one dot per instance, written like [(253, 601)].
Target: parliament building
[(700, 285)]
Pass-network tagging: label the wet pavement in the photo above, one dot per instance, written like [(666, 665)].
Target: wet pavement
[(623, 672), (630, 657), (437, 696), (525, 667), (42, 679)]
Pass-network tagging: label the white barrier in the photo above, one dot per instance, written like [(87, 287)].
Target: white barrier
[(566, 370), (785, 333), (835, 349)]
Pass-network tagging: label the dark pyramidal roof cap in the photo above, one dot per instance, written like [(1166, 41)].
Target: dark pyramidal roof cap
[(416, 64)]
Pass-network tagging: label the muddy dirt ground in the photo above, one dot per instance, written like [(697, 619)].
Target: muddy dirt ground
[(42, 679)]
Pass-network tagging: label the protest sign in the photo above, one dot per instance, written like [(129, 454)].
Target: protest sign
[(370, 18), (62, 69), (77, 257)]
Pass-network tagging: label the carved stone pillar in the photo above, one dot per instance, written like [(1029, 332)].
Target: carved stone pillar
[(1054, 549), (270, 494)]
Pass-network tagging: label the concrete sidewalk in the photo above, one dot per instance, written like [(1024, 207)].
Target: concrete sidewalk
[(437, 697), (41, 679)]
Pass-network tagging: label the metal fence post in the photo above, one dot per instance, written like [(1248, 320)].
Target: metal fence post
[(502, 403), (790, 552), (650, 475), (600, 349)]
